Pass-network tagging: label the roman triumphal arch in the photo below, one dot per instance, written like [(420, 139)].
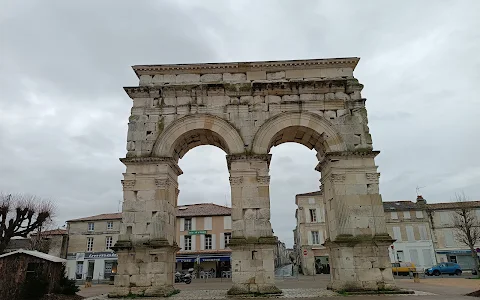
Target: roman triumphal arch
[(245, 109)]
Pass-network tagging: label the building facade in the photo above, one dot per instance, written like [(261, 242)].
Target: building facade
[(447, 246), (204, 232), (310, 234), (423, 233), (89, 250)]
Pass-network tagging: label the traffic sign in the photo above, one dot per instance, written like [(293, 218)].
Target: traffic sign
[(305, 252)]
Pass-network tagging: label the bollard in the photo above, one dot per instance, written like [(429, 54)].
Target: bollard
[(416, 277)]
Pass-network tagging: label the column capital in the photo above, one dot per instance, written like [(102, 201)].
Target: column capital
[(248, 157), (151, 161)]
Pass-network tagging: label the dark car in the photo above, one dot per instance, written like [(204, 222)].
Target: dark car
[(444, 268)]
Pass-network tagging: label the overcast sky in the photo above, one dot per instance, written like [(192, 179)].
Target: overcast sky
[(64, 115)]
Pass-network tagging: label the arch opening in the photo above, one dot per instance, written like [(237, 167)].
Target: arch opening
[(300, 135), (195, 138)]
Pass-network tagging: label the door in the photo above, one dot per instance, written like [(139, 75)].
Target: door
[(79, 270), (91, 265)]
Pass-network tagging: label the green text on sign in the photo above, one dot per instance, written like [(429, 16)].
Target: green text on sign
[(195, 232)]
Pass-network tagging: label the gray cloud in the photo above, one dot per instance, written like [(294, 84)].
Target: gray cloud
[(63, 112)]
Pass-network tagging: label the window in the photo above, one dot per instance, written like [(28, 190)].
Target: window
[(108, 242), (313, 215), (227, 222), (449, 242), (188, 243), (397, 234), (315, 239), (90, 244), (410, 235), (208, 242), (188, 224), (423, 232), (419, 214), (91, 226), (207, 223), (227, 236), (109, 225), (394, 215), (32, 269), (406, 215)]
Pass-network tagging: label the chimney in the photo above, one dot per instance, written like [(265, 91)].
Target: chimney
[(420, 200)]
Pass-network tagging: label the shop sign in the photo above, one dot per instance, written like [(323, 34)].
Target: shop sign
[(197, 232), (203, 259), (99, 255)]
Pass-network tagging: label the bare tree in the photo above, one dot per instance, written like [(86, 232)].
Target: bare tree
[(466, 225), (39, 239), (20, 215)]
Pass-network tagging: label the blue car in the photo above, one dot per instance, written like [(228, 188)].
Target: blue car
[(444, 268)]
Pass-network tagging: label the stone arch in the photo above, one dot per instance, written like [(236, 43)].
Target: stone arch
[(194, 130), (306, 128)]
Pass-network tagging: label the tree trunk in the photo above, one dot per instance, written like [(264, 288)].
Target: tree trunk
[(475, 259)]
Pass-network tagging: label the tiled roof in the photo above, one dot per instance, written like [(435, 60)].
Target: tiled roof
[(36, 254), (203, 209), (453, 205), (400, 205), (317, 193), (113, 216), (57, 231)]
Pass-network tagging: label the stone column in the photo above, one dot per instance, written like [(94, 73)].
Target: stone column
[(146, 245), (252, 240), (358, 240)]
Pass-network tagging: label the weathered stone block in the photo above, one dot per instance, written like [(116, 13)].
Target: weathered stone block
[(211, 77), (256, 75), (236, 77), (275, 75), (187, 78)]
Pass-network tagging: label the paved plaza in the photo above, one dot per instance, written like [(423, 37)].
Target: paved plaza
[(313, 287)]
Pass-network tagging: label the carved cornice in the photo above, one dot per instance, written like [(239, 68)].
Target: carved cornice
[(236, 180), (337, 178), (263, 180), (153, 160), (248, 157), (236, 67), (163, 183), (128, 184)]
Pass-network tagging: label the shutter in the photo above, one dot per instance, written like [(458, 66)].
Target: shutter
[(194, 224), (319, 219), (307, 215), (222, 240), (208, 223), (202, 242), (194, 242), (320, 237), (182, 224), (227, 222), (309, 234), (182, 242), (214, 244)]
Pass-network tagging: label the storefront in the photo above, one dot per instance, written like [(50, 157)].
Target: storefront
[(462, 257), (215, 264), (99, 266)]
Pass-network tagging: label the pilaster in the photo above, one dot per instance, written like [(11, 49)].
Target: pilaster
[(358, 239), (146, 247)]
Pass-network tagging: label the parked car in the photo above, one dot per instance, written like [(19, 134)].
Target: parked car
[(444, 268), (403, 268)]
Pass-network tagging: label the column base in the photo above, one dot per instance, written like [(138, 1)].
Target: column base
[(360, 263), (253, 267), (146, 291)]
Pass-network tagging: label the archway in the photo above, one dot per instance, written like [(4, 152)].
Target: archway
[(245, 109)]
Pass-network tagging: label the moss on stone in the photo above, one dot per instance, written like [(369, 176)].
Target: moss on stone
[(160, 125)]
